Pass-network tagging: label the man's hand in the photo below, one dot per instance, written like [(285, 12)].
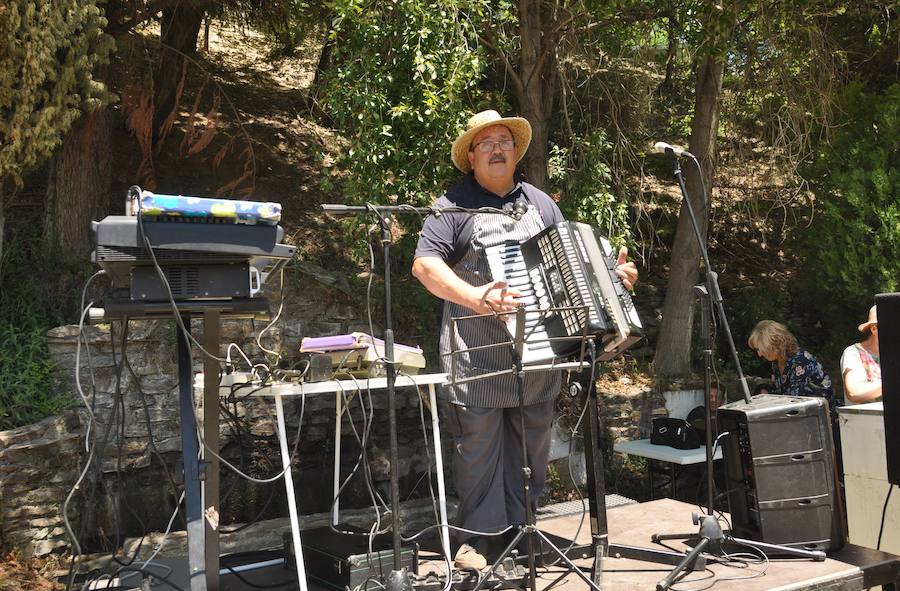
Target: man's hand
[(626, 270), (497, 298)]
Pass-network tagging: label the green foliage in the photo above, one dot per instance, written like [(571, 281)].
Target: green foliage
[(26, 372), (854, 245), (48, 49), (26, 368), (403, 79), (287, 23), (30, 305), (584, 175)]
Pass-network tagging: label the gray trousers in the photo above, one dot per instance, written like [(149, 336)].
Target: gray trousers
[(487, 463)]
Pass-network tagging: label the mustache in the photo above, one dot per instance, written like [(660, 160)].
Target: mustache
[(497, 158)]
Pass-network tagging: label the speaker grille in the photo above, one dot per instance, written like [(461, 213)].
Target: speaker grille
[(780, 472), (183, 281)]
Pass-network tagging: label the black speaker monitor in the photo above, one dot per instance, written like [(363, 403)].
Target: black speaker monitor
[(780, 472), (888, 306)]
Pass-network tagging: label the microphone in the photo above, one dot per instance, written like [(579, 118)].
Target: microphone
[(516, 210), (661, 147), (520, 208)]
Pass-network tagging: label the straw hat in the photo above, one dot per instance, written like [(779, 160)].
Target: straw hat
[(518, 127), (873, 319)]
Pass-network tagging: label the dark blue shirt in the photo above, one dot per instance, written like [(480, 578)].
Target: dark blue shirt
[(448, 235), (803, 375)]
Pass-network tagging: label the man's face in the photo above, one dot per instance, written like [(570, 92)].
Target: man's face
[(497, 163)]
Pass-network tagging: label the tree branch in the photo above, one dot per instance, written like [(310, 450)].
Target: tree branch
[(626, 17), (489, 41), (149, 12), (548, 44)]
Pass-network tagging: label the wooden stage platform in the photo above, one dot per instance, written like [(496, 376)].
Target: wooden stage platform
[(635, 524), (850, 569)]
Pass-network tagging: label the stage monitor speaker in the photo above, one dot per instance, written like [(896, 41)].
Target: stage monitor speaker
[(780, 472), (888, 305)]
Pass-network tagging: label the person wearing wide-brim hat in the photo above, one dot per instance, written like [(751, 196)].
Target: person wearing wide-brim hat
[(451, 262), (861, 364)]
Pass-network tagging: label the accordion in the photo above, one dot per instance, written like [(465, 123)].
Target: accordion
[(570, 291)]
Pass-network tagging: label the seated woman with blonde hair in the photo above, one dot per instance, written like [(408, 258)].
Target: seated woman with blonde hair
[(795, 371), (861, 365)]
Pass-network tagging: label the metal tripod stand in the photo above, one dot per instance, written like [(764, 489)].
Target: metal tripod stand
[(710, 534), (529, 528), (600, 547)]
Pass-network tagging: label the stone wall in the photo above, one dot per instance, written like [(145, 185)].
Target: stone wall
[(135, 427), (38, 465)]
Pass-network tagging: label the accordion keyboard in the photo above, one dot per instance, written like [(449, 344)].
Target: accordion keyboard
[(507, 264), (566, 274)]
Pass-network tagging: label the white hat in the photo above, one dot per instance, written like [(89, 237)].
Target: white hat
[(873, 319), (518, 127)]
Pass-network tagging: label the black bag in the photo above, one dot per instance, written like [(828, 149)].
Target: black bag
[(677, 433)]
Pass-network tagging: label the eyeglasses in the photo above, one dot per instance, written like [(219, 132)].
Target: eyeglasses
[(486, 147)]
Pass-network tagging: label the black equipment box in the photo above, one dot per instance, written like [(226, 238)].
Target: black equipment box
[(781, 473), (342, 560), (192, 281), (889, 346)]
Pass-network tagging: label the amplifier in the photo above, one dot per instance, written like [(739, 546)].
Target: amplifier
[(343, 561), (780, 472), (193, 282)]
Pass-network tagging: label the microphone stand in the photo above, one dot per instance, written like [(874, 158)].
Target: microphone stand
[(712, 278), (399, 579), (711, 534), (602, 548)]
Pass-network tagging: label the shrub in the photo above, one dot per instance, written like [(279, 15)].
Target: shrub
[(853, 245)]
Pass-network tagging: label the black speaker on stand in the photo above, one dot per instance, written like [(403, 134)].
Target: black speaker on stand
[(888, 307), (781, 473)]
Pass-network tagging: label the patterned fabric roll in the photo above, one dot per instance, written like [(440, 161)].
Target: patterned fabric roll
[(200, 209)]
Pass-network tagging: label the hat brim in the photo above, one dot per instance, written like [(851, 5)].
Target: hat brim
[(517, 126), (864, 327)]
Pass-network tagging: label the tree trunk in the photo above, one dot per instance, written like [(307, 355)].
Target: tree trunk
[(536, 93), (179, 32), (79, 185), (673, 346), (534, 164), (324, 63), (2, 227)]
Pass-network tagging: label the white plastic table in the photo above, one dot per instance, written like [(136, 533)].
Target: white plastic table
[(279, 390), (664, 453)]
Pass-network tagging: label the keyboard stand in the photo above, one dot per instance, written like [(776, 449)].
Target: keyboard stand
[(201, 473)]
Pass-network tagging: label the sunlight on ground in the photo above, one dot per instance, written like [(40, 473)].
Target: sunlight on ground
[(247, 52)]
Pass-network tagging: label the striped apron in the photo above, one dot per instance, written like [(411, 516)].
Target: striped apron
[(463, 336)]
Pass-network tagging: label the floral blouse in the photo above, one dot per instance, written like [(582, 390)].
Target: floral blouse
[(803, 375)]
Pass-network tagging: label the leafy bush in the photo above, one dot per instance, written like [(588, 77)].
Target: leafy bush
[(854, 243), (404, 73), (29, 306), (26, 374), (584, 176)]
